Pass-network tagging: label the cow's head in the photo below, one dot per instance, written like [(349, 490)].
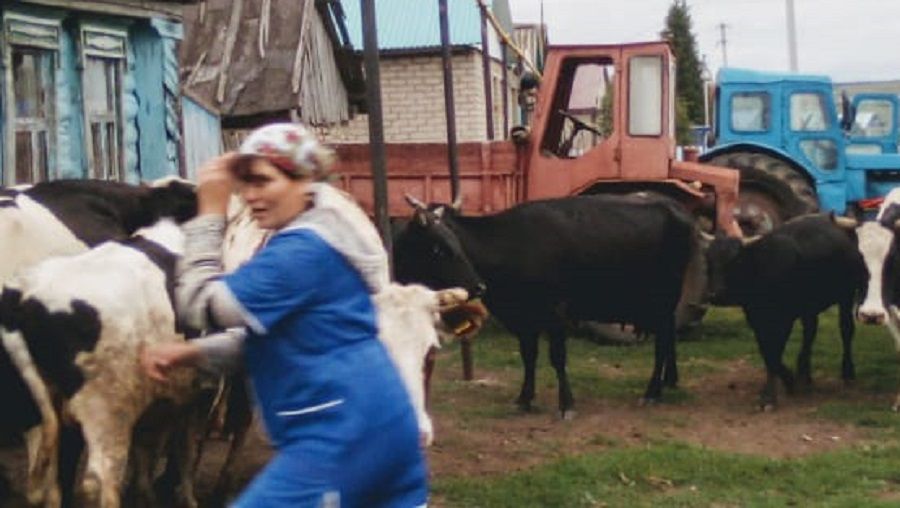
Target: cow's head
[(173, 198), (723, 268), (429, 252), (878, 246)]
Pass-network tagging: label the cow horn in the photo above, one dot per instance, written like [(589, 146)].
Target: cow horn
[(706, 237), (844, 222), (750, 239), (415, 203), (457, 203)]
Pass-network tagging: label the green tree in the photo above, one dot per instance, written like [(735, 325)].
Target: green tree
[(689, 84)]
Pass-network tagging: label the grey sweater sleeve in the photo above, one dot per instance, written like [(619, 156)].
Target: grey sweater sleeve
[(222, 351), (203, 301)]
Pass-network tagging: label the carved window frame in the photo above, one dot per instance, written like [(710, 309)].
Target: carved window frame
[(103, 50), (38, 39)]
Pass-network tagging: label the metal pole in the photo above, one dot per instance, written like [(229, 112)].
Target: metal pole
[(376, 122), (792, 36), (504, 85), (486, 74), (465, 346), (448, 99), (724, 42)]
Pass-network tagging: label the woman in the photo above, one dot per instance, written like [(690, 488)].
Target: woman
[(332, 401)]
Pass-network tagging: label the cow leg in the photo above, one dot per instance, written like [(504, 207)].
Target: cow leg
[(108, 441), (848, 370), (528, 350), (558, 360), (144, 453), (41, 441), (226, 474), (239, 422), (772, 339), (670, 367), (810, 328), (893, 326), (71, 447), (430, 359), (663, 351)]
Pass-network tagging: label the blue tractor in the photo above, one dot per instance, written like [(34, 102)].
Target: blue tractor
[(795, 152)]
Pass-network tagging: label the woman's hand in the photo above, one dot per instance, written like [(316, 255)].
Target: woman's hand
[(215, 184), (158, 360)]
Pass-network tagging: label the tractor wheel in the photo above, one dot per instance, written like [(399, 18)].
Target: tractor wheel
[(772, 191)]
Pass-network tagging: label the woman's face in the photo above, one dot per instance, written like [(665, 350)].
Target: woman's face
[(274, 199)]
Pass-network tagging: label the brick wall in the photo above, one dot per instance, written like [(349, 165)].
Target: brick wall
[(413, 101)]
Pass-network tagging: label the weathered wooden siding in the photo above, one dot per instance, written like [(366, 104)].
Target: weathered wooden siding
[(202, 136), (324, 96)]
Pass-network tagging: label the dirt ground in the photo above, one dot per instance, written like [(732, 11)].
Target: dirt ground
[(720, 415)]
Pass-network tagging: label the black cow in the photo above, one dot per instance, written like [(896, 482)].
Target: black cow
[(600, 258), (794, 272)]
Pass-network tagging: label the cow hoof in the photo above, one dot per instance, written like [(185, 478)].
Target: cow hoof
[(524, 407), (767, 407), (567, 416), (896, 407), (648, 401)]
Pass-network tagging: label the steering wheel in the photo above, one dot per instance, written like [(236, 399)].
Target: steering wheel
[(580, 124)]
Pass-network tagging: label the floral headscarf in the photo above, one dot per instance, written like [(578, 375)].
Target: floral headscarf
[(292, 147)]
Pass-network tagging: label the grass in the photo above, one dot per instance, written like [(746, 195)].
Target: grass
[(675, 474), (667, 472)]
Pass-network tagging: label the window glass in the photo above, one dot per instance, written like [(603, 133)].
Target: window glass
[(102, 105), (874, 118), (750, 112), (821, 152), (808, 112), (583, 108), (33, 96), (645, 96)]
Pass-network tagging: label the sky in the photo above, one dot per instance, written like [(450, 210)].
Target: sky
[(850, 41)]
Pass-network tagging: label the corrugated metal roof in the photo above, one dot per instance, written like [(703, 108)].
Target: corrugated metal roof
[(414, 24)]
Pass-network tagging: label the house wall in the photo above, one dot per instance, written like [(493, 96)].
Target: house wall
[(149, 103), (413, 101), (202, 136)]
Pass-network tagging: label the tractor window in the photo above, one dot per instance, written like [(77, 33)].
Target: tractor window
[(808, 112), (821, 152), (750, 112), (874, 118), (645, 90), (583, 108)]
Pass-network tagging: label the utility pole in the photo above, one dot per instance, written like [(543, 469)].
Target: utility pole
[(792, 36), (723, 41), (376, 122)]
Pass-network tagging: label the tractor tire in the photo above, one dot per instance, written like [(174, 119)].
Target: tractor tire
[(772, 191)]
